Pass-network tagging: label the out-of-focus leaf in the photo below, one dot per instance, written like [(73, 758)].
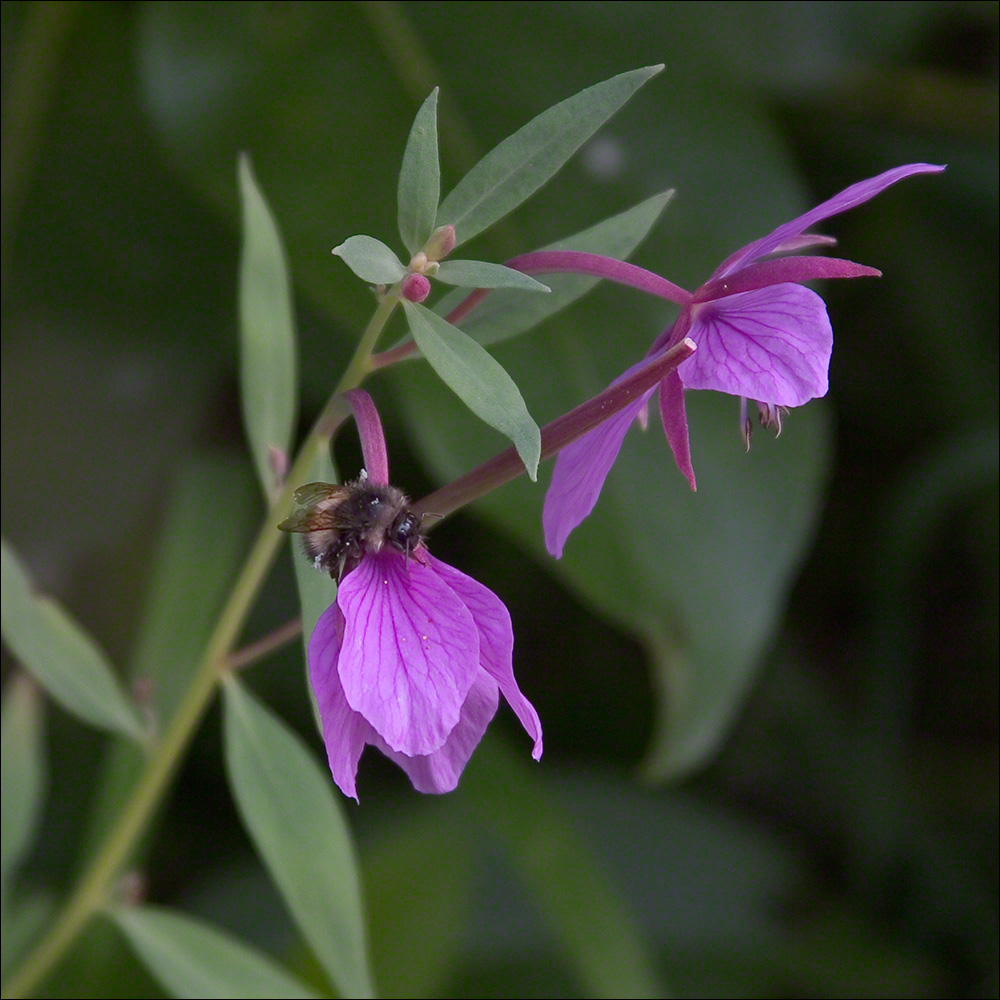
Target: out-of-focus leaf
[(24, 918), (287, 803), (482, 274), (267, 332), (420, 887), (477, 379), (60, 655), (23, 770), (193, 959), (370, 259), (523, 162), (211, 513), (599, 935), (505, 314), (420, 178), (702, 673)]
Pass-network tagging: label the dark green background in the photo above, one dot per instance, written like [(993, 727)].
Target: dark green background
[(842, 841)]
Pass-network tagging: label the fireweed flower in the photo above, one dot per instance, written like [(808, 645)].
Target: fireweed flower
[(760, 336), (411, 658)]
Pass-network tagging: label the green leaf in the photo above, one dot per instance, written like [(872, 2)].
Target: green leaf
[(702, 673), (371, 260), (23, 771), (289, 808), (598, 932), (268, 374), (24, 919), (522, 163), (477, 379), (504, 314), (420, 178), (60, 655), (481, 274), (194, 564), (193, 959), (420, 880)]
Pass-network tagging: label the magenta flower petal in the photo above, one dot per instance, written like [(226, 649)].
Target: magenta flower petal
[(850, 197), (439, 771), (496, 644), (345, 732), (410, 651), (772, 345), (777, 272), (580, 471), (673, 416)]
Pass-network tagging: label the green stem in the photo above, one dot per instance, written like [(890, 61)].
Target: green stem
[(96, 883)]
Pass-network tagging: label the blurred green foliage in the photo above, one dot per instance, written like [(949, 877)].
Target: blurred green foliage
[(843, 841)]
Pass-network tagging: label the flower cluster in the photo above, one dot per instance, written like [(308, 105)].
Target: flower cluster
[(413, 656)]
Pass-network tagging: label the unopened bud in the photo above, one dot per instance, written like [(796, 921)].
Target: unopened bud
[(415, 288), (441, 243)]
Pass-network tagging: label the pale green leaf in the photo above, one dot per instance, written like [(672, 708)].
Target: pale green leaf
[(523, 162), (193, 959), (290, 810), (477, 379), (371, 260), (420, 178), (504, 313), (268, 375), (23, 771), (60, 655), (481, 274)]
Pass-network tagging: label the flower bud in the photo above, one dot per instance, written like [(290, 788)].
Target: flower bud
[(441, 243), (415, 288)]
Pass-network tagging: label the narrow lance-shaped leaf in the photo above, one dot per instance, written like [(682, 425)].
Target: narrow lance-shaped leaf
[(504, 314), (522, 163), (193, 959), (477, 379), (267, 332), (60, 655), (420, 178), (22, 766), (482, 274), (371, 260), (287, 803)]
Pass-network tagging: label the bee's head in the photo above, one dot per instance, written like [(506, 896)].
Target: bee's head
[(404, 534)]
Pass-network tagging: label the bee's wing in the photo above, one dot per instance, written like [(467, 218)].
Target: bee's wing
[(319, 505), (313, 493)]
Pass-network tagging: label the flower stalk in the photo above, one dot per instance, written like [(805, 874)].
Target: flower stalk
[(555, 435)]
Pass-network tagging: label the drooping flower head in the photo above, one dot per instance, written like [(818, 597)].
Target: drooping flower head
[(760, 335), (412, 657)]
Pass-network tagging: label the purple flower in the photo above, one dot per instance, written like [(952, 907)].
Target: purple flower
[(760, 335), (411, 658)]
